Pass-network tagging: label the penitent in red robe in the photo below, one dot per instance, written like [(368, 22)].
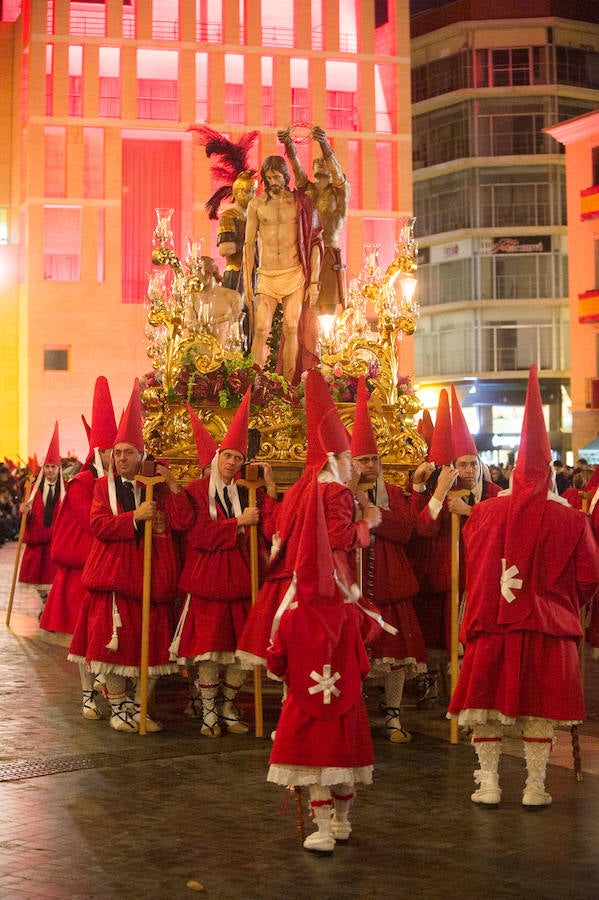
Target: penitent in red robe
[(70, 544), (345, 536), (526, 664), (216, 575), (37, 566), (389, 581), (114, 571)]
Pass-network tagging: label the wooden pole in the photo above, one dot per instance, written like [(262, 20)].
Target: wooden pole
[(15, 570), (454, 607), (148, 481), (252, 482)]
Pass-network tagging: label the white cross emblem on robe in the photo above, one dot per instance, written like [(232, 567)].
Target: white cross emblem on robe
[(509, 581), (325, 683)]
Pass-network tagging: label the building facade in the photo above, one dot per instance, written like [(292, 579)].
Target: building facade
[(490, 202), (98, 110), (580, 136)]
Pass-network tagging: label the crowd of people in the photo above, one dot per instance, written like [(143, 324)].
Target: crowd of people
[(354, 580)]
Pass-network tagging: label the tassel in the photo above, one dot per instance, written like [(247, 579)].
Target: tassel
[(113, 643), (173, 650)]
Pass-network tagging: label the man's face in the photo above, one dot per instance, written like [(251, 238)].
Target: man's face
[(468, 467), (50, 473), (245, 192), (126, 460), (369, 467), (229, 464), (275, 181)]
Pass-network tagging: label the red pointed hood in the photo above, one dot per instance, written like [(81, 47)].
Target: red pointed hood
[(236, 437), (425, 427), (441, 447), (324, 429), (205, 443), (103, 428), (130, 426), (52, 456), (530, 483), (363, 440), (462, 440)]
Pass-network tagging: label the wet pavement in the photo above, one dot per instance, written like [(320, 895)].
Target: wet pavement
[(90, 814)]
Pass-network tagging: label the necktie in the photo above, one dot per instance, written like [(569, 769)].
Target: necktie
[(49, 506), (228, 503), (129, 496), (470, 499)]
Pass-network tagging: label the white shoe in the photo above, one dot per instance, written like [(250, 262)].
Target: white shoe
[(232, 718), (89, 709), (536, 797), (487, 796), (123, 720), (318, 842)]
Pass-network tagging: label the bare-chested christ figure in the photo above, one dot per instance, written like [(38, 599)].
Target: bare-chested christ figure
[(287, 226)]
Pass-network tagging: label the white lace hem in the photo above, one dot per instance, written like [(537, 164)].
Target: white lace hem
[(298, 776), (388, 663), (469, 718), (249, 660)]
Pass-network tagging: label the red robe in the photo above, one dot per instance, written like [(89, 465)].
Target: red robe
[(389, 581), (345, 536), (431, 555), (592, 631), (70, 544), (216, 575), (37, 566), (333, 735), (114, 569), (527, 667)]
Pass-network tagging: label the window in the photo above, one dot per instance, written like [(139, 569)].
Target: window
[(441, 136), (209, 21), (385, 97), (440, 76), (56, 359), (87, 18), (234, 89), (348, 30), (49, 78), (157, 84), (268, 115), (165, 20), (579, 67), (530, 197), (277, 24), (342, 106), (75, 80), (93, 162), (55, 153), (110, 91), (62, 243), (385, 184), (201, 87), (444, 203), (300, 97)]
